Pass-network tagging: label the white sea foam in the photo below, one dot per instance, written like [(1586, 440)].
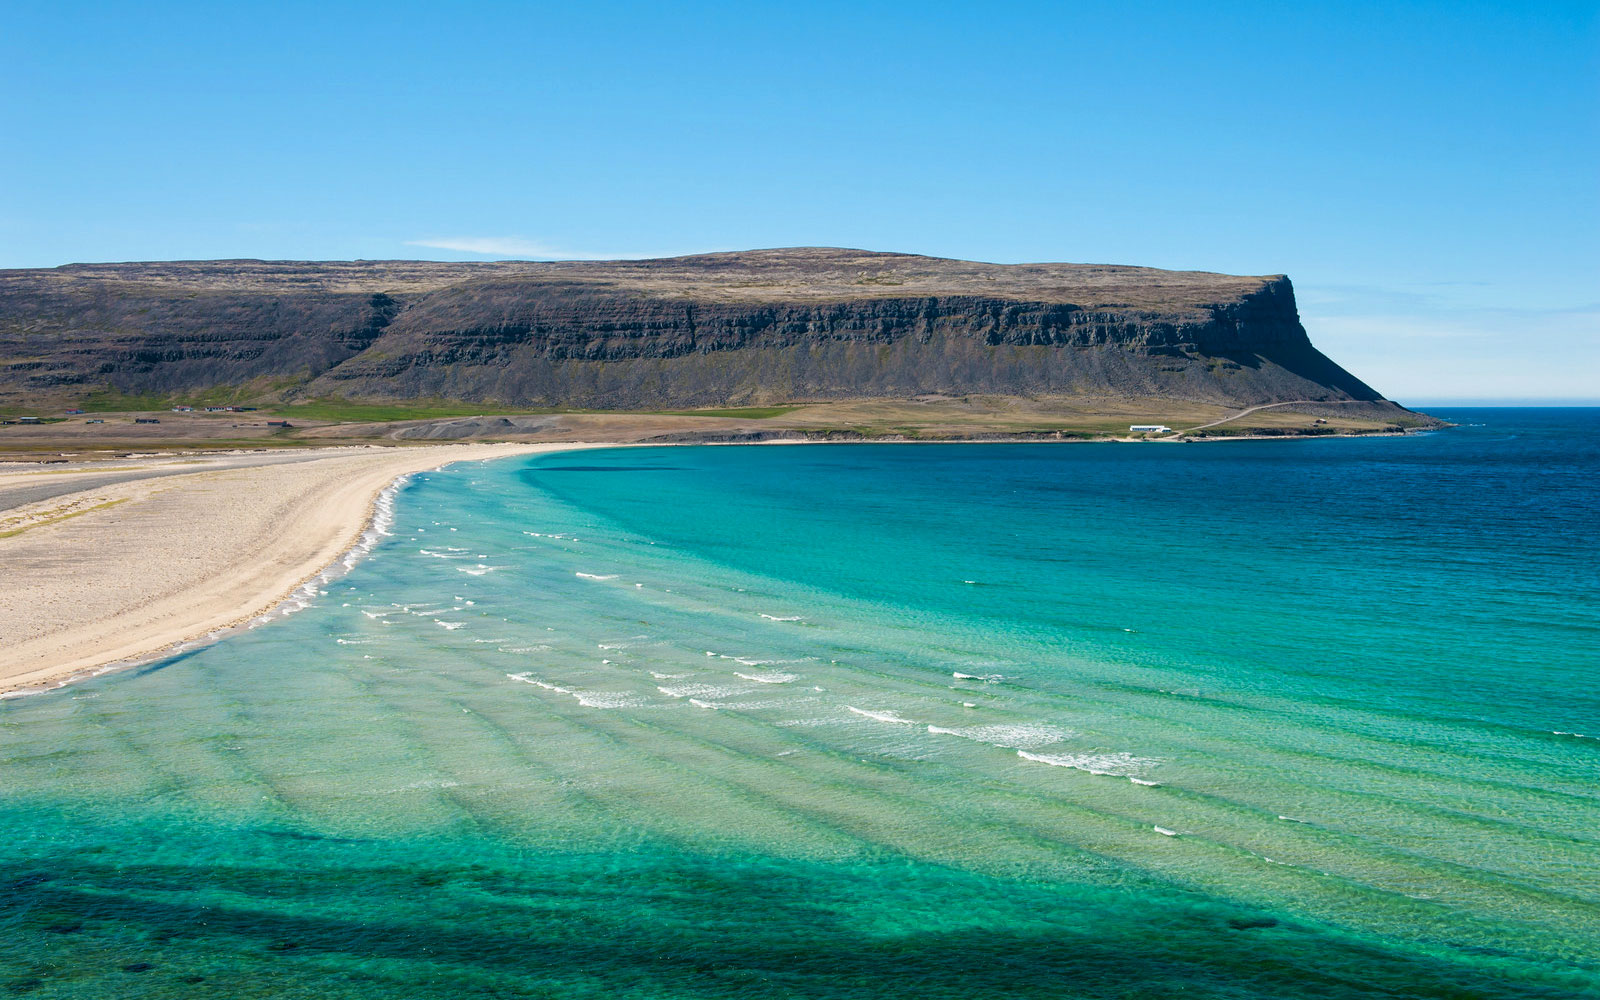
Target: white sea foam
[(426, 612), (606, 699), (1121, 765), (985, 678), (478, 570), (771, 677), (762, 706), (445, 553), (380, 527), (1164, 831), (1142, 781), (1016, 736), (702, 691), (595, 576), (452, 626), (588, 699), (697, 703), (885, 715), (781, 618), (536, 682), (667, 677)]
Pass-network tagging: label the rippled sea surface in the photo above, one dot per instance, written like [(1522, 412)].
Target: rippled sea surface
[(1247, 719)]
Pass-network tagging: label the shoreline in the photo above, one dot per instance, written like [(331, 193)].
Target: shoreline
[(1042, 438), (261, 555), (163, 624)]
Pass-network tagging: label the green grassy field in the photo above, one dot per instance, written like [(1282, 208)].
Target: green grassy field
[(347, 411), (331, 421)]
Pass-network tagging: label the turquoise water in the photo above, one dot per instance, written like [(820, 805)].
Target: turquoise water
[(1246, 719)]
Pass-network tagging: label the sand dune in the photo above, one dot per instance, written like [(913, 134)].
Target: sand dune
[(128, 566)]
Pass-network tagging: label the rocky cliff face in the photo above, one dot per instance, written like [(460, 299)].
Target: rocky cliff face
[(720, 329)]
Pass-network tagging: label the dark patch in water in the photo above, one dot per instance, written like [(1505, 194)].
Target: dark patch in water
[(310, 837), (162, 664), (1250, 923), (137, 967), (655, 922)]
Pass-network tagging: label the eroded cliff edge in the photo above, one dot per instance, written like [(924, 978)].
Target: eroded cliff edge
[(755, 327)]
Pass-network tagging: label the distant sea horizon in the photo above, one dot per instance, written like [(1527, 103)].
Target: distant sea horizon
[(1282, 718), (1526, 402)]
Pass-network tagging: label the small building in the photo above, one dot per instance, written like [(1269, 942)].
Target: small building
[(146, 420), (183, 409), (279, 423), (96, 420), (29, 420), (1149, 429), (74, 411)]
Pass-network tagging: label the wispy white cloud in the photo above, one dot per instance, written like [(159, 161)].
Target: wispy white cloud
[(513, 247)]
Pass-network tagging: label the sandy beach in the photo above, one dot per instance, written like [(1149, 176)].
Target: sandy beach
[(112, 562)]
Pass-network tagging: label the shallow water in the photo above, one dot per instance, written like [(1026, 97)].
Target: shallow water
[(1248, 719)]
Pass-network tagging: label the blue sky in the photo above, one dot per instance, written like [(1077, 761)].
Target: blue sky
[(1426, 172)]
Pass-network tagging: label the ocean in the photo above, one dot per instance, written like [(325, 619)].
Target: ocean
[(1313, 718)]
